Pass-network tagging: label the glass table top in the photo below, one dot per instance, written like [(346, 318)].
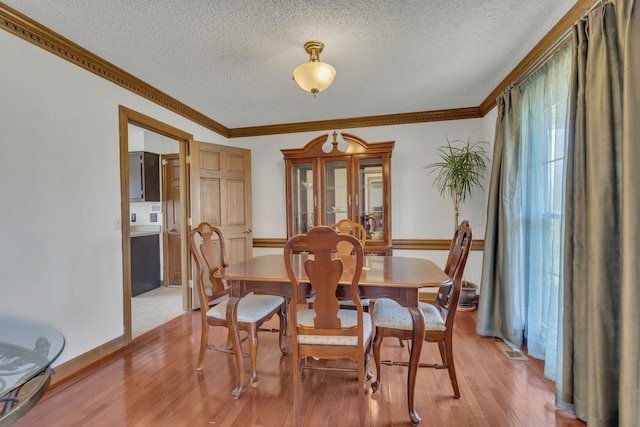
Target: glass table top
[(27, 348)]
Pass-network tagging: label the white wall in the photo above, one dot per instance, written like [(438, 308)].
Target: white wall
[(418, 211), (60, 246)]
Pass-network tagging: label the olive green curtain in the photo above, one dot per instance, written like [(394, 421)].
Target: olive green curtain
[(601, 364), (521, 271), (501, 307)]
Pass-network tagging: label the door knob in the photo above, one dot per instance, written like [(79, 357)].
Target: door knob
[(247, 231)]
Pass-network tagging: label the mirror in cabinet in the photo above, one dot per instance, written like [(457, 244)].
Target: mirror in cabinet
[(336, 191), (325, 185), (303, 200), (371, 193)]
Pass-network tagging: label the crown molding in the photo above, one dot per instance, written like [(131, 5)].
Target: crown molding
[(359, 122), (539, 51), (41, 36), (33, 32)]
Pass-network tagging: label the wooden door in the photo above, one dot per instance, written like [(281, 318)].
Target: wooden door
[(221, 195), (171, 236)]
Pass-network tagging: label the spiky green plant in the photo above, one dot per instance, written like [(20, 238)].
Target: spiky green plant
[(460, 170)]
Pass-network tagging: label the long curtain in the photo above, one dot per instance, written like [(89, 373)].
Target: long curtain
[(521, 275), (601, 365)]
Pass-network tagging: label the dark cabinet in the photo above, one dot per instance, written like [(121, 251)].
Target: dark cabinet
[(144, 176), (145, 263)]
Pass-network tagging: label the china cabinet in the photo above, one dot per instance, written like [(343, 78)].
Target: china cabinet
[(345, 177)]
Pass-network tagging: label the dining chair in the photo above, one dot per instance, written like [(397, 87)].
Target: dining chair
[(429, 294), (346, 226), (207, 244), (327, 331), (393, 320)]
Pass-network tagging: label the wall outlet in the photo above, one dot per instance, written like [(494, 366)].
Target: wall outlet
[(133, 217), (153, 217)]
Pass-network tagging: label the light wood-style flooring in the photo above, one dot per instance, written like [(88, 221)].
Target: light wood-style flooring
[(153, 382)]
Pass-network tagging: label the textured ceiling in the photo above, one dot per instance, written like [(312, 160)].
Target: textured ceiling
[(232, 60)]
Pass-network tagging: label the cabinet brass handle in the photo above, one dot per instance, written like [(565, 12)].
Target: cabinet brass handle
[(349, 198), (315, 201)]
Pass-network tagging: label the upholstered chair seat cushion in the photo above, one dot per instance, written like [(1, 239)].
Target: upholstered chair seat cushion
[(251, 308), (348, 319), (390, 314)]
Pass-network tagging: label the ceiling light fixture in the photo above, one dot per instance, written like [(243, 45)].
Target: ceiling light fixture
[(314, 76)]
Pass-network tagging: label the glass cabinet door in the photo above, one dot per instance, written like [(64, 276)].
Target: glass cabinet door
[(328, 184), (303, 198), (371, 197), (337, 200)]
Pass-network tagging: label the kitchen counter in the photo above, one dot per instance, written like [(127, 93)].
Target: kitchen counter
[(144, 230)]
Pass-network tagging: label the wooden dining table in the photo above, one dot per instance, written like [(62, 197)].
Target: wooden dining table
[(395, 277)]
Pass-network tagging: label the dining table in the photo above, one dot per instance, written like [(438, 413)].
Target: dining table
[(395, 277)]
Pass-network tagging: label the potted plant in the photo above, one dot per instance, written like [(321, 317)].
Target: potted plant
[(460, 171)]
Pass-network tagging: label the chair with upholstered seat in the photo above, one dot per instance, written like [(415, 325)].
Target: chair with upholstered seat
[(393, 320), (207, 244), (327, 331), (346, 226), (428, 294)]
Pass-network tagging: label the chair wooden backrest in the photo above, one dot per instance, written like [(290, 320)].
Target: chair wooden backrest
[(207, 245), (447, 297), (326, 331), (324, 271), (346, 226)]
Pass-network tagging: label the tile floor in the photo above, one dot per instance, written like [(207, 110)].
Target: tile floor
[(153, 308)]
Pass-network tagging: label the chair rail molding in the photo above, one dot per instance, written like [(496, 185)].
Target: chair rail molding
[(412, 244)]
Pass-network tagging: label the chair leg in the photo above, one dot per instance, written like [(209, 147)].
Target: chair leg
[(253, 354), (451, 368), (297, 390), (282, 315), (229, 342), (377, 343), (204, 340), (367, 357), (361, 390), (443, 352)]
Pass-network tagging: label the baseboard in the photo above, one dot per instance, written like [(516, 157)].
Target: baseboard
[(82, 366)]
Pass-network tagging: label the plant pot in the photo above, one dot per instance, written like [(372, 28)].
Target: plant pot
[(467, 295)]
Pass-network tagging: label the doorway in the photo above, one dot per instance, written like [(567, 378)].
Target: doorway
[(168, 140), (154, 206)]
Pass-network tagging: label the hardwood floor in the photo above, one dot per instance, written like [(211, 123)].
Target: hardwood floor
[(153, 382)]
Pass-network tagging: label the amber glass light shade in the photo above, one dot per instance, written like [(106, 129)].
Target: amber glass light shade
[(314, 76)]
